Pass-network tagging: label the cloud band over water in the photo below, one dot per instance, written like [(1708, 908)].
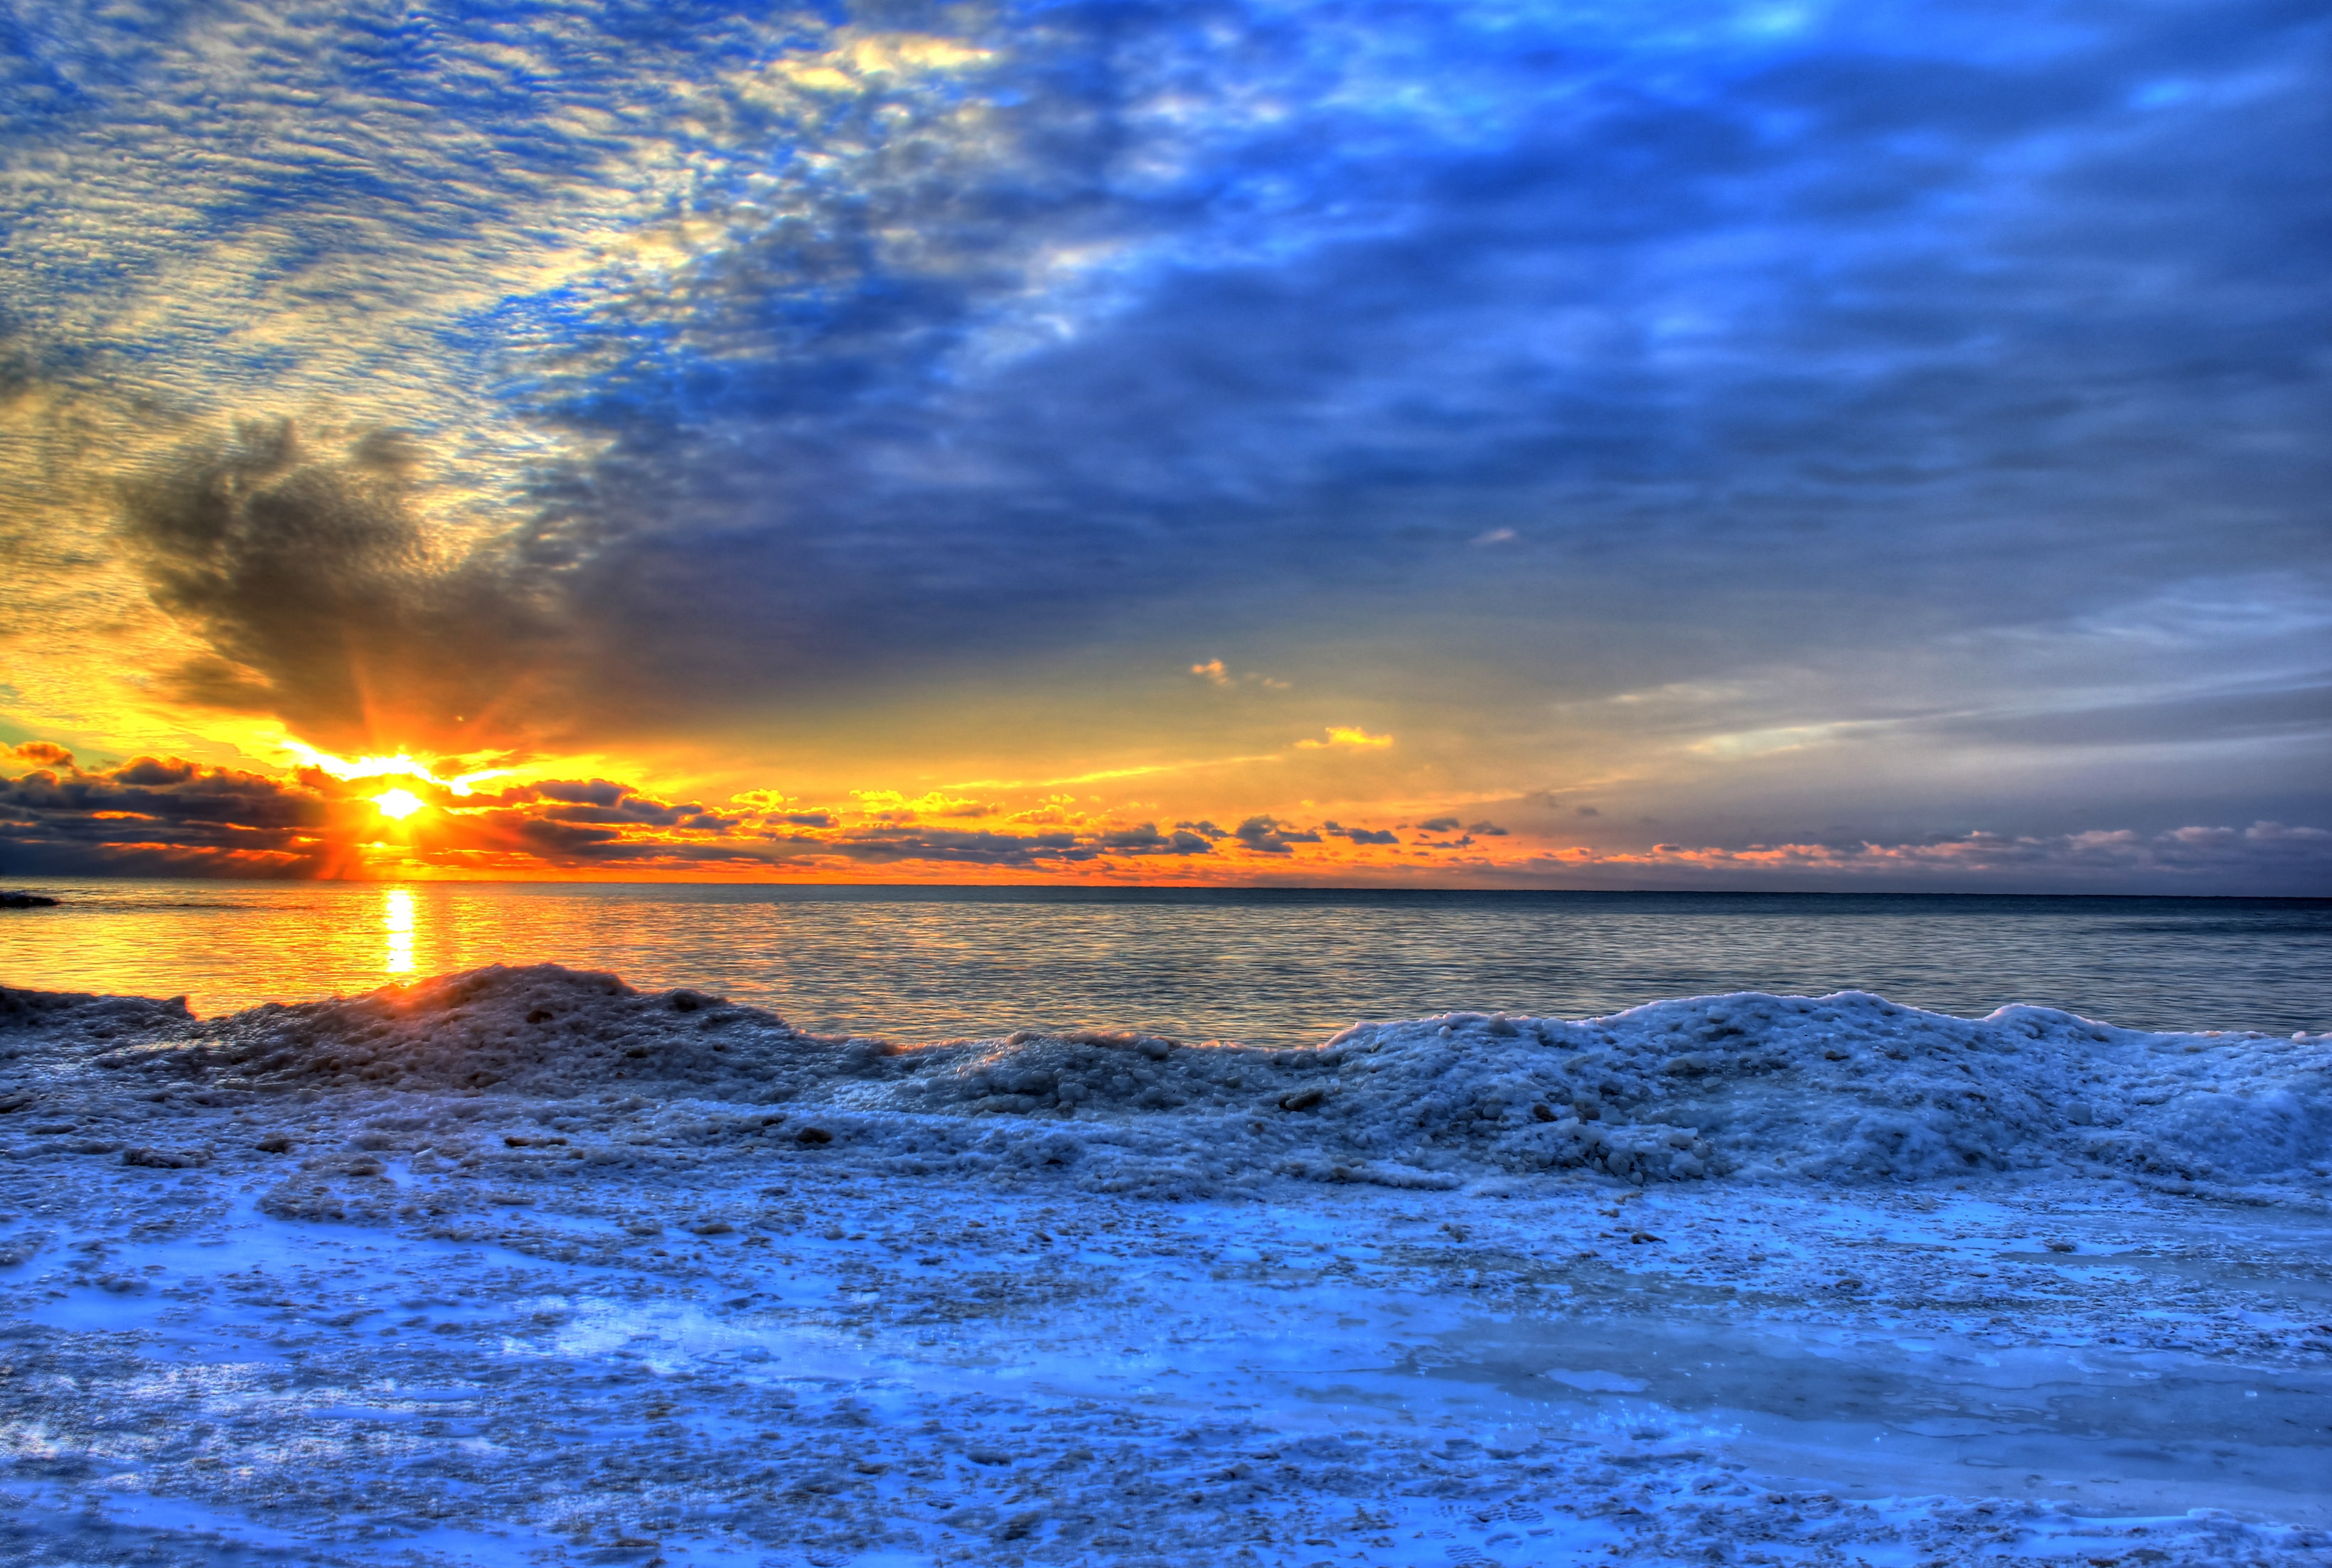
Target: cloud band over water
[(172, 818)]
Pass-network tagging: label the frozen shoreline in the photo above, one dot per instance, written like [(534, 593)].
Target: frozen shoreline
[(613, 1307)]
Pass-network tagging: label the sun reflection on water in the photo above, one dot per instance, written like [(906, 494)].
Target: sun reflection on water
[(397, 920)]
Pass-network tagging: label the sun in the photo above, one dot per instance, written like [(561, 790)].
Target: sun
[(398, 804)]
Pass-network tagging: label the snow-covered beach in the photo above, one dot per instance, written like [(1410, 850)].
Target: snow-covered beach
[(522, 1266)]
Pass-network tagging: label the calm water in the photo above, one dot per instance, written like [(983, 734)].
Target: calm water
[(1270, 967)]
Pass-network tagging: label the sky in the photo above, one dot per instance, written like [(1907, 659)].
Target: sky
[(1667, 444)]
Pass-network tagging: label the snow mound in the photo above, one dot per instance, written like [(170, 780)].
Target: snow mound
[(1853, 1086), (540, 1031), (1847, 1088), (88, 1016)]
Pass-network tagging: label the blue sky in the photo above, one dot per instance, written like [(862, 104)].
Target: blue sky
[(1706, 426)]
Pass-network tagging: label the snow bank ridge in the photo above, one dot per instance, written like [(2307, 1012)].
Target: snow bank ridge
[(1844, 1088)]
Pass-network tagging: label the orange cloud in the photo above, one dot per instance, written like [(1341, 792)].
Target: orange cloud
[(1347, 735), (1216, 673), (893, 804)]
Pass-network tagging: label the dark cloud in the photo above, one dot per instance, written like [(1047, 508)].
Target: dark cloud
[(1439, 825), (159, 817), (1270, 836), (150, 773), (168, 816), (310, 576), (597, 792), (884, 843), (559, 840), (637, 811), (1359, 835), (1146, 839), (1487, 830), (891, 845)]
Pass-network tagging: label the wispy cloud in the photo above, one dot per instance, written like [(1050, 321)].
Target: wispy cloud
[(1347, 735), (1111, 774), (1216, 673), (2264, 858)]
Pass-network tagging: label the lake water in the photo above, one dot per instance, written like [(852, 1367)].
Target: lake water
[(1270, 967)]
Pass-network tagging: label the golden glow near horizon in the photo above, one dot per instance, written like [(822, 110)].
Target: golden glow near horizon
[(597, 817), (400, 765), (1357, 807)]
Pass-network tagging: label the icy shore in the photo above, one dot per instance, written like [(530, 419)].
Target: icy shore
[(524, 1266)]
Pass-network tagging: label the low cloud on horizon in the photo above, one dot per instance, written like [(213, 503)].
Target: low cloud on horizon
[(168, 817)]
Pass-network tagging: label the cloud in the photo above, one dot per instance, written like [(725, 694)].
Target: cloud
[(931, 804), (597, 792), (1146, 839), (1609, 292), (894, 846), (312, 582), (161, 817), (1216, 673), (1346, 736), (1487, 830), (634, 369), (1439, 825), (2267, 856), (1267, 835), (641, 811), (169, 816), (2301, 710)]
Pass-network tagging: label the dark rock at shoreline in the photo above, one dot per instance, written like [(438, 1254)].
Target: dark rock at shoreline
[(26, 901)]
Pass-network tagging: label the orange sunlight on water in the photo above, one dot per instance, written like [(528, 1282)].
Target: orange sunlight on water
[(397, 922), (227, 945)]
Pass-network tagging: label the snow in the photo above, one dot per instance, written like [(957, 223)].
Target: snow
[(2024, 1288), (1843, 1088)]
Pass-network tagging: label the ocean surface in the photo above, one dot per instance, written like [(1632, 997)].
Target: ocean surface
[(1274, 967)]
